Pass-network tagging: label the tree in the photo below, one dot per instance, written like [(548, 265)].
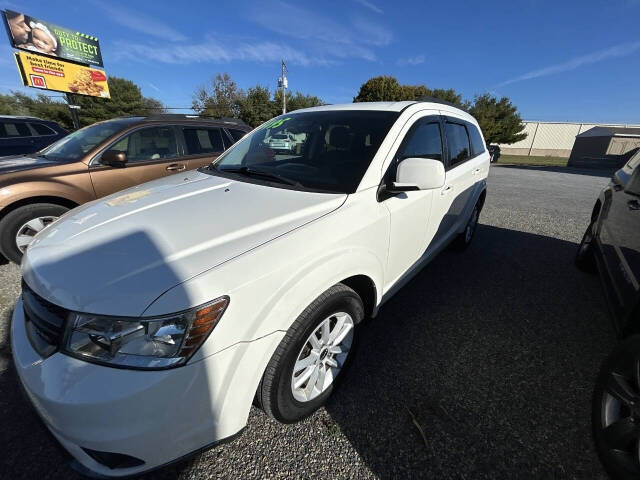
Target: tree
[(499, 119), (222, 98), (256, 107), (126, 100), (381, 89)]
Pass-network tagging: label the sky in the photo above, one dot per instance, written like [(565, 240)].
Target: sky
[(557, 61)]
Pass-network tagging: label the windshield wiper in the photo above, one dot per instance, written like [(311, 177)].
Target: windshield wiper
[(248, 171)]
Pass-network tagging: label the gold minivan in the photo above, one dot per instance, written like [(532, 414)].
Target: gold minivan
[(100, 159)]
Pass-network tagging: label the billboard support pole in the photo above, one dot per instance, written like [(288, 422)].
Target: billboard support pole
[(74, 110)]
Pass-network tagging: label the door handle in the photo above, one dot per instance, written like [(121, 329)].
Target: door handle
[(617, 187), (476, 171), (176, 167), (446, 190), (633, 205)]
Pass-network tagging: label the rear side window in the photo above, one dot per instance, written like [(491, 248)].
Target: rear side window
[(458, 142), (15, 130), (236, 134), (41, 129), (203, 140), (477, 144), (424, 141)]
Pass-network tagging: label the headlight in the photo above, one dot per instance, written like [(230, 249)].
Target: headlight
[(142, 343)]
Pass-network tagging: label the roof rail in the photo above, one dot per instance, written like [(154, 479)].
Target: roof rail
[(427, 98), (184, 116)]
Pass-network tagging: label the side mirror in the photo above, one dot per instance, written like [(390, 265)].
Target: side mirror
[(633, 184), (114, 158), (419, 174)]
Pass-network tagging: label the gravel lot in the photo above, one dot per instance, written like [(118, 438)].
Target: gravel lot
[(494, 351)]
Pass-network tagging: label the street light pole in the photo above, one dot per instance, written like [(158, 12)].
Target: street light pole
[(284, 88)]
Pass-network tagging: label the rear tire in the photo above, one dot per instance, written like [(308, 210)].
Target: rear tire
[(277, 394), (463, 240), (585, 256), (16, 221)]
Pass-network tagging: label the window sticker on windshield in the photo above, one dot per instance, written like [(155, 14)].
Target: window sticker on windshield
[(275, 123)]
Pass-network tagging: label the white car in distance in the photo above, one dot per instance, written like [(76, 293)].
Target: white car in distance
[(151, 319)]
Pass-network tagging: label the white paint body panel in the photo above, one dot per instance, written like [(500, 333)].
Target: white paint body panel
[(179, 242)]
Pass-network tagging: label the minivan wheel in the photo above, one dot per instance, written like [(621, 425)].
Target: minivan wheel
[(19, 226), (585, 257), (312, 357), (616, 411)]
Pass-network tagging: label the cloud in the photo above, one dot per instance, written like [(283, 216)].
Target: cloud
[(140, 22), (323, 34), (153, 86), (370, 6), (411, 61), (621, 50), (211, 50)]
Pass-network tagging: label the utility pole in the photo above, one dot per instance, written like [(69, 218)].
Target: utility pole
[(73, 109), (284, 84)]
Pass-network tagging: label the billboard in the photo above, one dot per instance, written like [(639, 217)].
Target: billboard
[(52, 74), (37, 36)]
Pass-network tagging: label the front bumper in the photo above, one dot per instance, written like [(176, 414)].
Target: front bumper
[(154, 416)]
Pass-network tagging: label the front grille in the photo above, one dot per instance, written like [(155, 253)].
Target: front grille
[(44, 321)]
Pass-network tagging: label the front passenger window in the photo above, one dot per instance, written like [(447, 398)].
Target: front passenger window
[(155, 143), (422, 141)]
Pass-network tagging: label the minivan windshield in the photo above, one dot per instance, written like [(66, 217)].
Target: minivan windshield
[(327, 150), (80, 142)]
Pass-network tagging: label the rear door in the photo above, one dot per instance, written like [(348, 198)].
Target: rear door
[(464, 168), (620, 236), (152, 152), (15, 138), (203, 144)]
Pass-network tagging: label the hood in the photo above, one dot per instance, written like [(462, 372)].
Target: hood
[(16, 163), (116, 255)]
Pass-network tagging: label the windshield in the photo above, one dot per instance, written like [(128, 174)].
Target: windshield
[(78, 143), (328, 151)]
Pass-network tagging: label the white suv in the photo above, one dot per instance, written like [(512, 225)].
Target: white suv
[(150, 320)]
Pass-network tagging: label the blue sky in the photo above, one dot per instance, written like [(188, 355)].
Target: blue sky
[(557, 61)]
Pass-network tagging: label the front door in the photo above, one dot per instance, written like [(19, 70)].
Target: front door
[(152, 152), (620, 235), (411, 212)]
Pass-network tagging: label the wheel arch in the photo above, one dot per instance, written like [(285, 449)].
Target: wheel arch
[(64, 202)]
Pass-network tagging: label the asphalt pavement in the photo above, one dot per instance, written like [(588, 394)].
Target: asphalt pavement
[(491, 352)]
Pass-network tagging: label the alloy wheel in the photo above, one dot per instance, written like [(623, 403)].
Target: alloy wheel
[(27, 231), (620, 415), (322, 357)]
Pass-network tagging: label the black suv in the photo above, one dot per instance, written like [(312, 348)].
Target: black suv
[(611, 246), (20, 135)]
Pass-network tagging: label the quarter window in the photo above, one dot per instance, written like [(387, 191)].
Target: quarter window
[(424, 141), (477, 144), (236, 134), (153, 143), (203, 140), (458, 142), (41, 129)]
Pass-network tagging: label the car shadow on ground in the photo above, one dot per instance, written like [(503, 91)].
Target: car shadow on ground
[(591, 172), (492, 353)]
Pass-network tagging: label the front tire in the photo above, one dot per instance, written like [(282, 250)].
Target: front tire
[(312, 356), (616, 411), (19, 226)]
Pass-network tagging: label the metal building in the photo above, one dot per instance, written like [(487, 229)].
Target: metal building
[(551, 139), (604, 146)]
